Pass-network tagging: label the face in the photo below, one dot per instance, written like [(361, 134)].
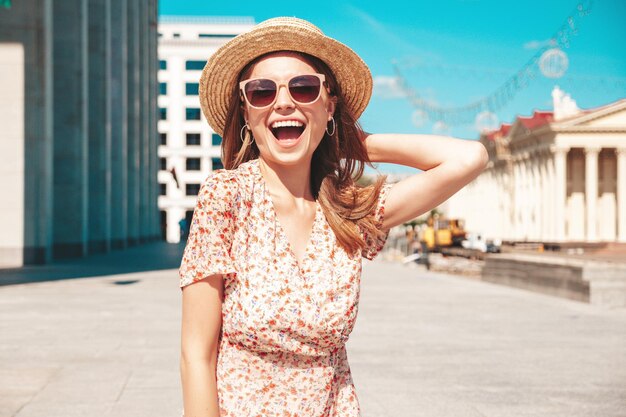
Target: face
[(287, 132)]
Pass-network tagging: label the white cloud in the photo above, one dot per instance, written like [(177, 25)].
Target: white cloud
[(388, 87), (486, 121), (441, 128)]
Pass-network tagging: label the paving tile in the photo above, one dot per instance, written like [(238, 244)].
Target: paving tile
[(425, 344)]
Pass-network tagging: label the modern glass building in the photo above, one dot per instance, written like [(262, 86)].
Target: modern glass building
[(78, 110)]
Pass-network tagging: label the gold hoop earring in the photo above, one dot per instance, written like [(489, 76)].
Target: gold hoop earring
[(247, 131), (332, 119)]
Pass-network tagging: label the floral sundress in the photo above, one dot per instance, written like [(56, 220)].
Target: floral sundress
[(284, 324)]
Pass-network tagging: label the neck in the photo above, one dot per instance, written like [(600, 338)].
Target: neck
[(281, 179)]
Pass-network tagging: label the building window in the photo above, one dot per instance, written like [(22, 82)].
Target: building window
[(192, 189), (191, 89), (163, 138), (162, 114), (193, 138), (162, 64), (163, 224), (162, 189), (162, 89), (192, 114), (162, 164), (215, 35), (192, 164), (216, 140), (176, 35), (195, 65), (217, 163)]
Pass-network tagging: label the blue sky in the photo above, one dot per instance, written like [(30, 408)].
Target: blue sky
[(462, 51)]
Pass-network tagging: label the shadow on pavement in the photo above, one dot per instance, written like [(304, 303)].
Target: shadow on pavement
[(147, 257)]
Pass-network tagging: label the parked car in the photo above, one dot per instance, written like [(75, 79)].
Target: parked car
[(476, 241)]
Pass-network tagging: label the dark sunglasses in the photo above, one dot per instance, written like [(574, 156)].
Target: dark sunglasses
[(262, 92)]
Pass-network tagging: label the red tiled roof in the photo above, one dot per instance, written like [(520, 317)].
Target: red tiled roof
[(539, 118), (499, 133)]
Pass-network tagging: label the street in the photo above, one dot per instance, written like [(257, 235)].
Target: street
[(425, 344)]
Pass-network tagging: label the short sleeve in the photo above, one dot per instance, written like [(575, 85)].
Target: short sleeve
[(374, 244), (211, 233)]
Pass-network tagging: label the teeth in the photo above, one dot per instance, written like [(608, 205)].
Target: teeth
[(287, 123)]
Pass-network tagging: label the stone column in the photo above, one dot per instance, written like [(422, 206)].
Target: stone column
[(621, 194), (535, 197), (133, 122), (514, 198), (144, 75), (549, 196), (543, 202), (71, 99), (508, 193), (547, 193), (529, 196), (154, 135), (560, 190), (539, 202), (528, 228), (543, 207), (99, 126), (517, 187), (524, 198), (119, 125), (591, 192)]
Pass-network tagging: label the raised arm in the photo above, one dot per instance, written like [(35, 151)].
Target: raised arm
[(447, 163), (200, 330)]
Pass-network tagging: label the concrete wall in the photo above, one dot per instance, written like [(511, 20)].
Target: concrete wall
[(26, 136), (588, 281), (12, 147)]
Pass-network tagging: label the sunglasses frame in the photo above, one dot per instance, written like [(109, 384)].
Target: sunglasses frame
[(243, 83)]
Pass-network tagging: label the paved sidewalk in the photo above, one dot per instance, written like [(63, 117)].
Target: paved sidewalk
[(425, 344)]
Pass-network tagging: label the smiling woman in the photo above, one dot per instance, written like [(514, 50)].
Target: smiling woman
[(271, 271)]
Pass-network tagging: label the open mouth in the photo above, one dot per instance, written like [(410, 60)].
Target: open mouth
[(287, 130)]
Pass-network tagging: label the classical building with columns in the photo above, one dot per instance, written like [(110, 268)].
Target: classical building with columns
[(78, 111), (189, 150), (556, 176)]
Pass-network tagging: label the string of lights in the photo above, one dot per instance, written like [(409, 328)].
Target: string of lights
[(550, 60)]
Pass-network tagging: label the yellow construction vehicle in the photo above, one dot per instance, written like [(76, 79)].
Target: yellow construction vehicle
[(443, 233)]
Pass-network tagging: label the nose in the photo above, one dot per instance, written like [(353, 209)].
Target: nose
[(283, 99)]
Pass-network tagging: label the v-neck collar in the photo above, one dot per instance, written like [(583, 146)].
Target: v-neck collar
[(300, 263)]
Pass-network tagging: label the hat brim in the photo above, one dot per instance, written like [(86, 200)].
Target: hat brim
[(220, 73)]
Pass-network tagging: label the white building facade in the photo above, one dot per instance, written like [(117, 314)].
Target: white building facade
[(556, 176), (189, 150)]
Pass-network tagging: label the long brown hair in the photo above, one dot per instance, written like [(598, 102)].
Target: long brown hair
[(337, 162)]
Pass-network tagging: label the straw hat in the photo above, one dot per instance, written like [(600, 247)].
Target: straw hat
[(280, 34)]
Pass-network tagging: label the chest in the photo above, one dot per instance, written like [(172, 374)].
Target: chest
[(296, 226)]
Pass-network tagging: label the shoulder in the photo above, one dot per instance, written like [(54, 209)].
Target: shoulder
[(227, 184), (218, 185)]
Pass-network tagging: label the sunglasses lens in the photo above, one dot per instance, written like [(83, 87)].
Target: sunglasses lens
[(260, 93), (304, 88)]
